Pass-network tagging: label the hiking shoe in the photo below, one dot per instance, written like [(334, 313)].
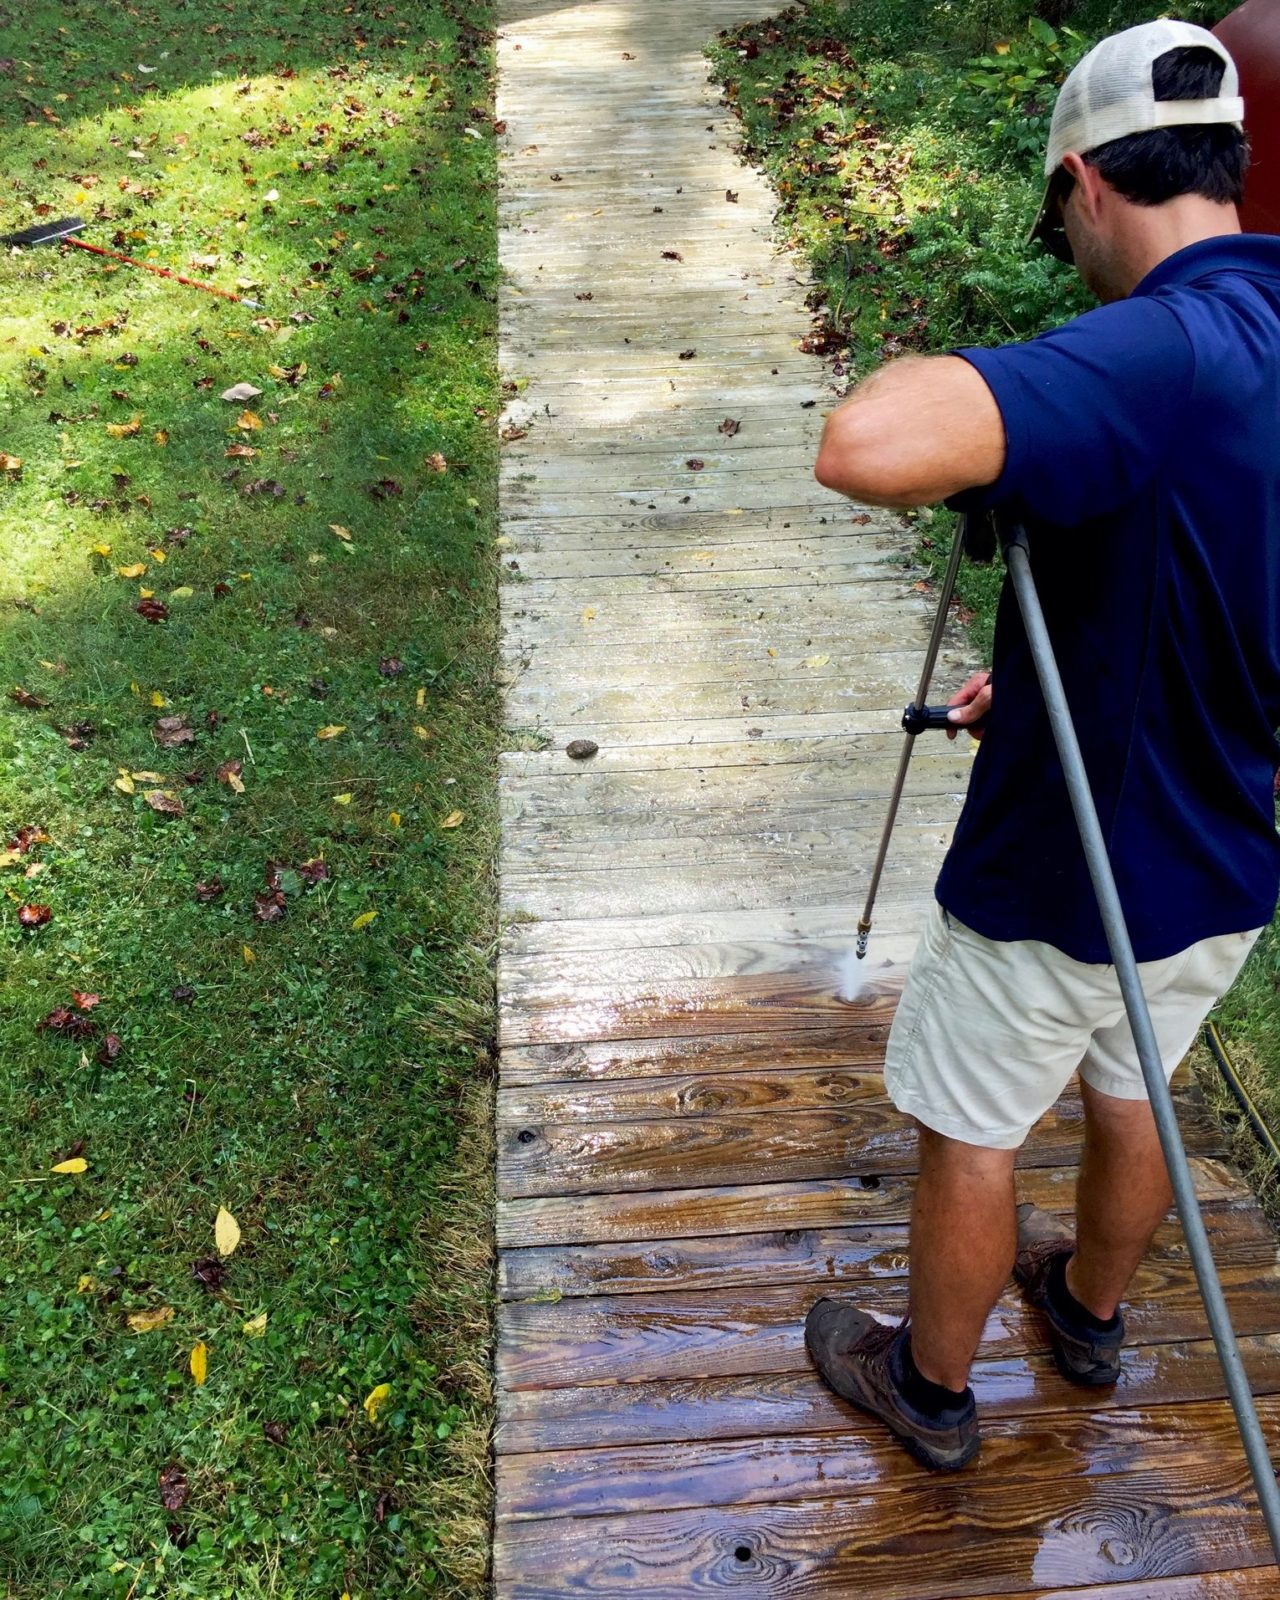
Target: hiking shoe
[(1082, 1354), (858, 1358)]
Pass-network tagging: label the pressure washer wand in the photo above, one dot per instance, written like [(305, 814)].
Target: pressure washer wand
[(912, 726), (1017, 559)]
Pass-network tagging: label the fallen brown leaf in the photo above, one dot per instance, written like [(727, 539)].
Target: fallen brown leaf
[(174, 1488), (169, 732)]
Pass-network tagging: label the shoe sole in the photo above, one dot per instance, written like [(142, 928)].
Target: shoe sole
[(913, 1446), (1083, 1379), (1086, 1380)]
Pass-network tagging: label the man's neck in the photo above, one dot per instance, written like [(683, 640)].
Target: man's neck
[(1153, 233)]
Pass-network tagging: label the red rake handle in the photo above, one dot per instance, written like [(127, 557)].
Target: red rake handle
[(162, 272)]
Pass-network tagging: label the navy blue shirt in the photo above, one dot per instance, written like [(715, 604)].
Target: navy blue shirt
[(1144, 459)]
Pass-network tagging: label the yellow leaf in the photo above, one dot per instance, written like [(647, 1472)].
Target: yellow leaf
[(816, 661), (102, 549), (76, 1164), (226, 1232), (256, 1326), (125, 783), (161, 436), (147, 594), (157, 699), (393, 817), (10, 463), (422, 733), (149, 1321), (159, 555), (331, 731), (375, 1400), (249, 957), (147, 777), (422, 698), (125, 430), (248, 420), (588, 614), (453, 819), (363, 920), (343, 533), (134, 570), (11, 858), (342, 799), (184, 593), (85, 1284), (200, 1363), (772, 651)]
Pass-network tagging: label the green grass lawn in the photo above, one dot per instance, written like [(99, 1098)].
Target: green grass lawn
[(247, 753), (906, 138)]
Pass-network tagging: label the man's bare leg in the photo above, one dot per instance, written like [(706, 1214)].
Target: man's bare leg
[(1122, 1196), (963, 1238)]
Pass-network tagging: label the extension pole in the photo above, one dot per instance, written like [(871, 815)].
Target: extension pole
[(1017, 559)]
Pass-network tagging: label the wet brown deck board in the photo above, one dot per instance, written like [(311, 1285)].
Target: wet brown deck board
[(693, 1139)]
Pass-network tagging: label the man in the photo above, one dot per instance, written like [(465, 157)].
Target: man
[(1140, 445)]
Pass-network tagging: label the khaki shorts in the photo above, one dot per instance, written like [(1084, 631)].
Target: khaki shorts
[(988, 1032)]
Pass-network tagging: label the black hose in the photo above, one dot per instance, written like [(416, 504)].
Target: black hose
[(1229, 1075)]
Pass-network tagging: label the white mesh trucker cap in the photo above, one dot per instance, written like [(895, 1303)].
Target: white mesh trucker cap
[(1109, 93)]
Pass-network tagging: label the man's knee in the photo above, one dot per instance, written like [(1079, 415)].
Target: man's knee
[(938, 1151), (1113, 1116)]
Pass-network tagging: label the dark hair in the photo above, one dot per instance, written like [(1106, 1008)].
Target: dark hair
[(1209, 160)]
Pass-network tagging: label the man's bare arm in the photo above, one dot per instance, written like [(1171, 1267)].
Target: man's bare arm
[(916, 431)]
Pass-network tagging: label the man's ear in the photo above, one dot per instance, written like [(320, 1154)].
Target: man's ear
[(1091, 187)]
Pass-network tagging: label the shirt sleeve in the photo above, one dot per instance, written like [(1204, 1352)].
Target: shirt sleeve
[(1092, 411)]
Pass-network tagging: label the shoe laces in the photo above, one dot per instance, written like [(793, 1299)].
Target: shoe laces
[(875, 1341)]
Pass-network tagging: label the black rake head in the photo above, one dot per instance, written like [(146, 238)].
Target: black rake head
[(44, 232)]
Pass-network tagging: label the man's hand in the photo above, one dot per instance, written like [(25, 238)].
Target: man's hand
[(972, 702), (918, 430)]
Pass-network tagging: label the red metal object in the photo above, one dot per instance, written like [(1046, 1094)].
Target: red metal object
[(1252, 34), (161, 272)]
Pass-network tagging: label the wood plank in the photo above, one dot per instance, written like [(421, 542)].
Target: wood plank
[(751, 1003), (944, 1539), (674, 1333), (671, 1215), (613, 1481), (786, 1404), (1238, 1235), (868, 1141), (857, 1042)]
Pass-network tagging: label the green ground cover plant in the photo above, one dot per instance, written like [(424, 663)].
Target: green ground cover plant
[(247, 751), (905, 140)]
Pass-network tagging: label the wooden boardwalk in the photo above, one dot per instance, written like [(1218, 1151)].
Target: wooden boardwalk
[(693, 1139)]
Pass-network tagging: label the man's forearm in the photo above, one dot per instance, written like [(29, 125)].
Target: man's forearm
[(915, 431)]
